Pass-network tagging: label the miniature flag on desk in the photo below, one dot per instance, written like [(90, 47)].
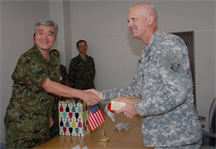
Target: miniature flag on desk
[(96, 117), (109, 111)]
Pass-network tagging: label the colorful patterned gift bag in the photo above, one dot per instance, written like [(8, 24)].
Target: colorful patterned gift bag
[(73, 118)]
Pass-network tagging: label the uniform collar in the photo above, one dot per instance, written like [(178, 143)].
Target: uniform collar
[(147, 49), (52, 60), (82, 59)]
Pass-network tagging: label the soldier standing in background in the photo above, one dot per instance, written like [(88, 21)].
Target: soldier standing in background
[(82, 68)]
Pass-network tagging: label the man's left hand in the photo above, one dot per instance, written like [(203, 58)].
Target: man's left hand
[(129, 109)]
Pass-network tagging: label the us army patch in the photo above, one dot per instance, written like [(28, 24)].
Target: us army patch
[(172, 64)]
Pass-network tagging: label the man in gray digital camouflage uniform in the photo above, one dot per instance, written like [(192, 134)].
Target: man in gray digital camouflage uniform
[(36, 76), (163, 81)]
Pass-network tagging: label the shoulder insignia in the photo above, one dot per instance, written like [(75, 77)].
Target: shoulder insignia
[(172, 64)]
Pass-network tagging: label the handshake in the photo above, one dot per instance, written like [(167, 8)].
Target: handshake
[(92, 97)]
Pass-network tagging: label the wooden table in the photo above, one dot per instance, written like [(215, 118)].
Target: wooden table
[(131, 139)]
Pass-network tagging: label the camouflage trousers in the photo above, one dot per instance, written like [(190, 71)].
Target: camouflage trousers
[(189, 146)]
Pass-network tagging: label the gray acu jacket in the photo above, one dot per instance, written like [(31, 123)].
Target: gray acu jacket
[(163, 81)]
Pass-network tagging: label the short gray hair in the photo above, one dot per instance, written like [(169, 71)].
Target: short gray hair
[(47, 22)]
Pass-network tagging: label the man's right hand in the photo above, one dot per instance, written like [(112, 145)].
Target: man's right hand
[(91, 98)]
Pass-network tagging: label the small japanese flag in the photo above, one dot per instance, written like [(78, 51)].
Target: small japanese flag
[(109, 111)]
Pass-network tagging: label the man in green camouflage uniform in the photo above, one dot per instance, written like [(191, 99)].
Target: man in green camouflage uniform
[(82, 68), (30, 107), (28, 116)]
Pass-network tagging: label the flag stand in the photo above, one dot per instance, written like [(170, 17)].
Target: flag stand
[(104, 139)]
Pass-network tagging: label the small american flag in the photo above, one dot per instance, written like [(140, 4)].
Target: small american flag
[(96, 117)]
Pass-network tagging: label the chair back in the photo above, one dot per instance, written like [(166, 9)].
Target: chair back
[(212, 117)]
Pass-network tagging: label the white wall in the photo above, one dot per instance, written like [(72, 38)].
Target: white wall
[(103, 23), (56, 13)]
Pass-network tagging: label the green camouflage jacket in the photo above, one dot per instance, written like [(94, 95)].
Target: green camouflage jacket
[(82, 73), (30, 107)]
